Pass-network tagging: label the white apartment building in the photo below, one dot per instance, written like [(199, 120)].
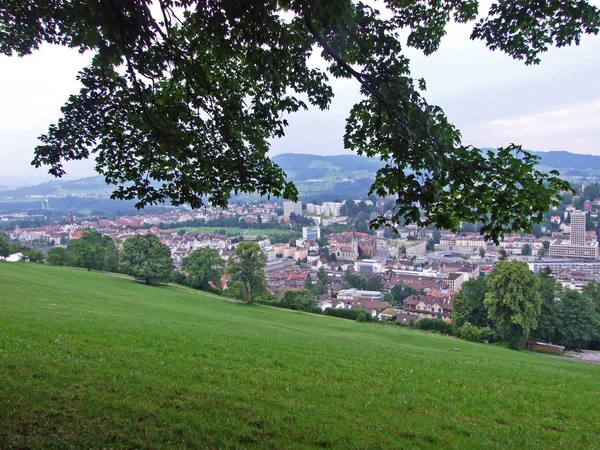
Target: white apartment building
[(325, 209), (292, 207), (576, 246)]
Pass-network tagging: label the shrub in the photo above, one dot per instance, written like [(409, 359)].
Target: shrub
[(351, 314), (437, 325), (474, 333)]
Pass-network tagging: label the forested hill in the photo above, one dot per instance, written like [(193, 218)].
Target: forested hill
[(300, 166)]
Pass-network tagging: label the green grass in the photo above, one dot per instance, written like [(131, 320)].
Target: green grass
[(89, 360), (246, 231)]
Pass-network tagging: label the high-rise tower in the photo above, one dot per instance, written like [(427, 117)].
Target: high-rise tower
[(578, 228)]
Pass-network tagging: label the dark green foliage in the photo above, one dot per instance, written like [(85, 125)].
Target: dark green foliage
[(183, 105), (576, 320), (4, 245), (526, 250), (178, 277), (57, 256), (513, 301), (549, 291), (353, 280), (245, 267), (468, 304), (145, 258), (400, 291), (299, 300), (437, 325), (33, 255), (374, 283), (351, 314), (474, 333), (203, 267), (308, 284), (88, 252), (111, 255)]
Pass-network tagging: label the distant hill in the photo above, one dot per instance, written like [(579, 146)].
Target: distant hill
[(317, 178), (292, 162)]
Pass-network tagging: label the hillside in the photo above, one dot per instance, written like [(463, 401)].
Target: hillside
[(89, 360), (323, 178)]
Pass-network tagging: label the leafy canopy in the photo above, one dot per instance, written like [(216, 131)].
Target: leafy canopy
[(245, 266), (183, 96), (513, 301), (204, 268), (145, 258)]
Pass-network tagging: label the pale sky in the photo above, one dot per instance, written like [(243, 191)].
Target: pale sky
[(493, 99)]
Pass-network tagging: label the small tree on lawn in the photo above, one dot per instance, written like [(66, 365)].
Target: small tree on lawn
[(246, 266), (88, 252), (145, 258), (203, 267), (57, 256), (513, 301)]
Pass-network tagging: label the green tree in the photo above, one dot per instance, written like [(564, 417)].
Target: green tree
[(592, 291), (145, 258), (203, 267), (468, 306), (352, 280), (246, 265), (374, 283), (57, 256), (482, 252), (389, 297), (526, 250), (299, 300), (513, 301), (400, 291), (169, 98), (33, 254), (111, 255), (576, 320), (4, 245), (308, 284), (322, 275), (549, 291), (87, 252)]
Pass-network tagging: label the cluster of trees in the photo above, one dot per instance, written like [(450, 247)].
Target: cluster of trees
[(518, 305), (354, 280), (143, 257), (317, 288), (8, 248)]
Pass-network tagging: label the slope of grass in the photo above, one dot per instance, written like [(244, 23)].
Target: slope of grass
[(89, 360)]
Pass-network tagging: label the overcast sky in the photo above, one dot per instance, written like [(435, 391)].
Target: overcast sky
[(493, 100)]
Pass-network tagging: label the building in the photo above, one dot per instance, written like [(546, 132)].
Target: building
[(311, 233), (292, 207), (325, 209), (368, 266), (357, 294), (424, 306), (455, 281), (576, 246), (415, 249)]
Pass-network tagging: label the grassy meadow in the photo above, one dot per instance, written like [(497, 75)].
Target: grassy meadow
[(89, 360)]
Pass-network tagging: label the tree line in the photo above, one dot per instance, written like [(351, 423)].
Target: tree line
[(518, 305)]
